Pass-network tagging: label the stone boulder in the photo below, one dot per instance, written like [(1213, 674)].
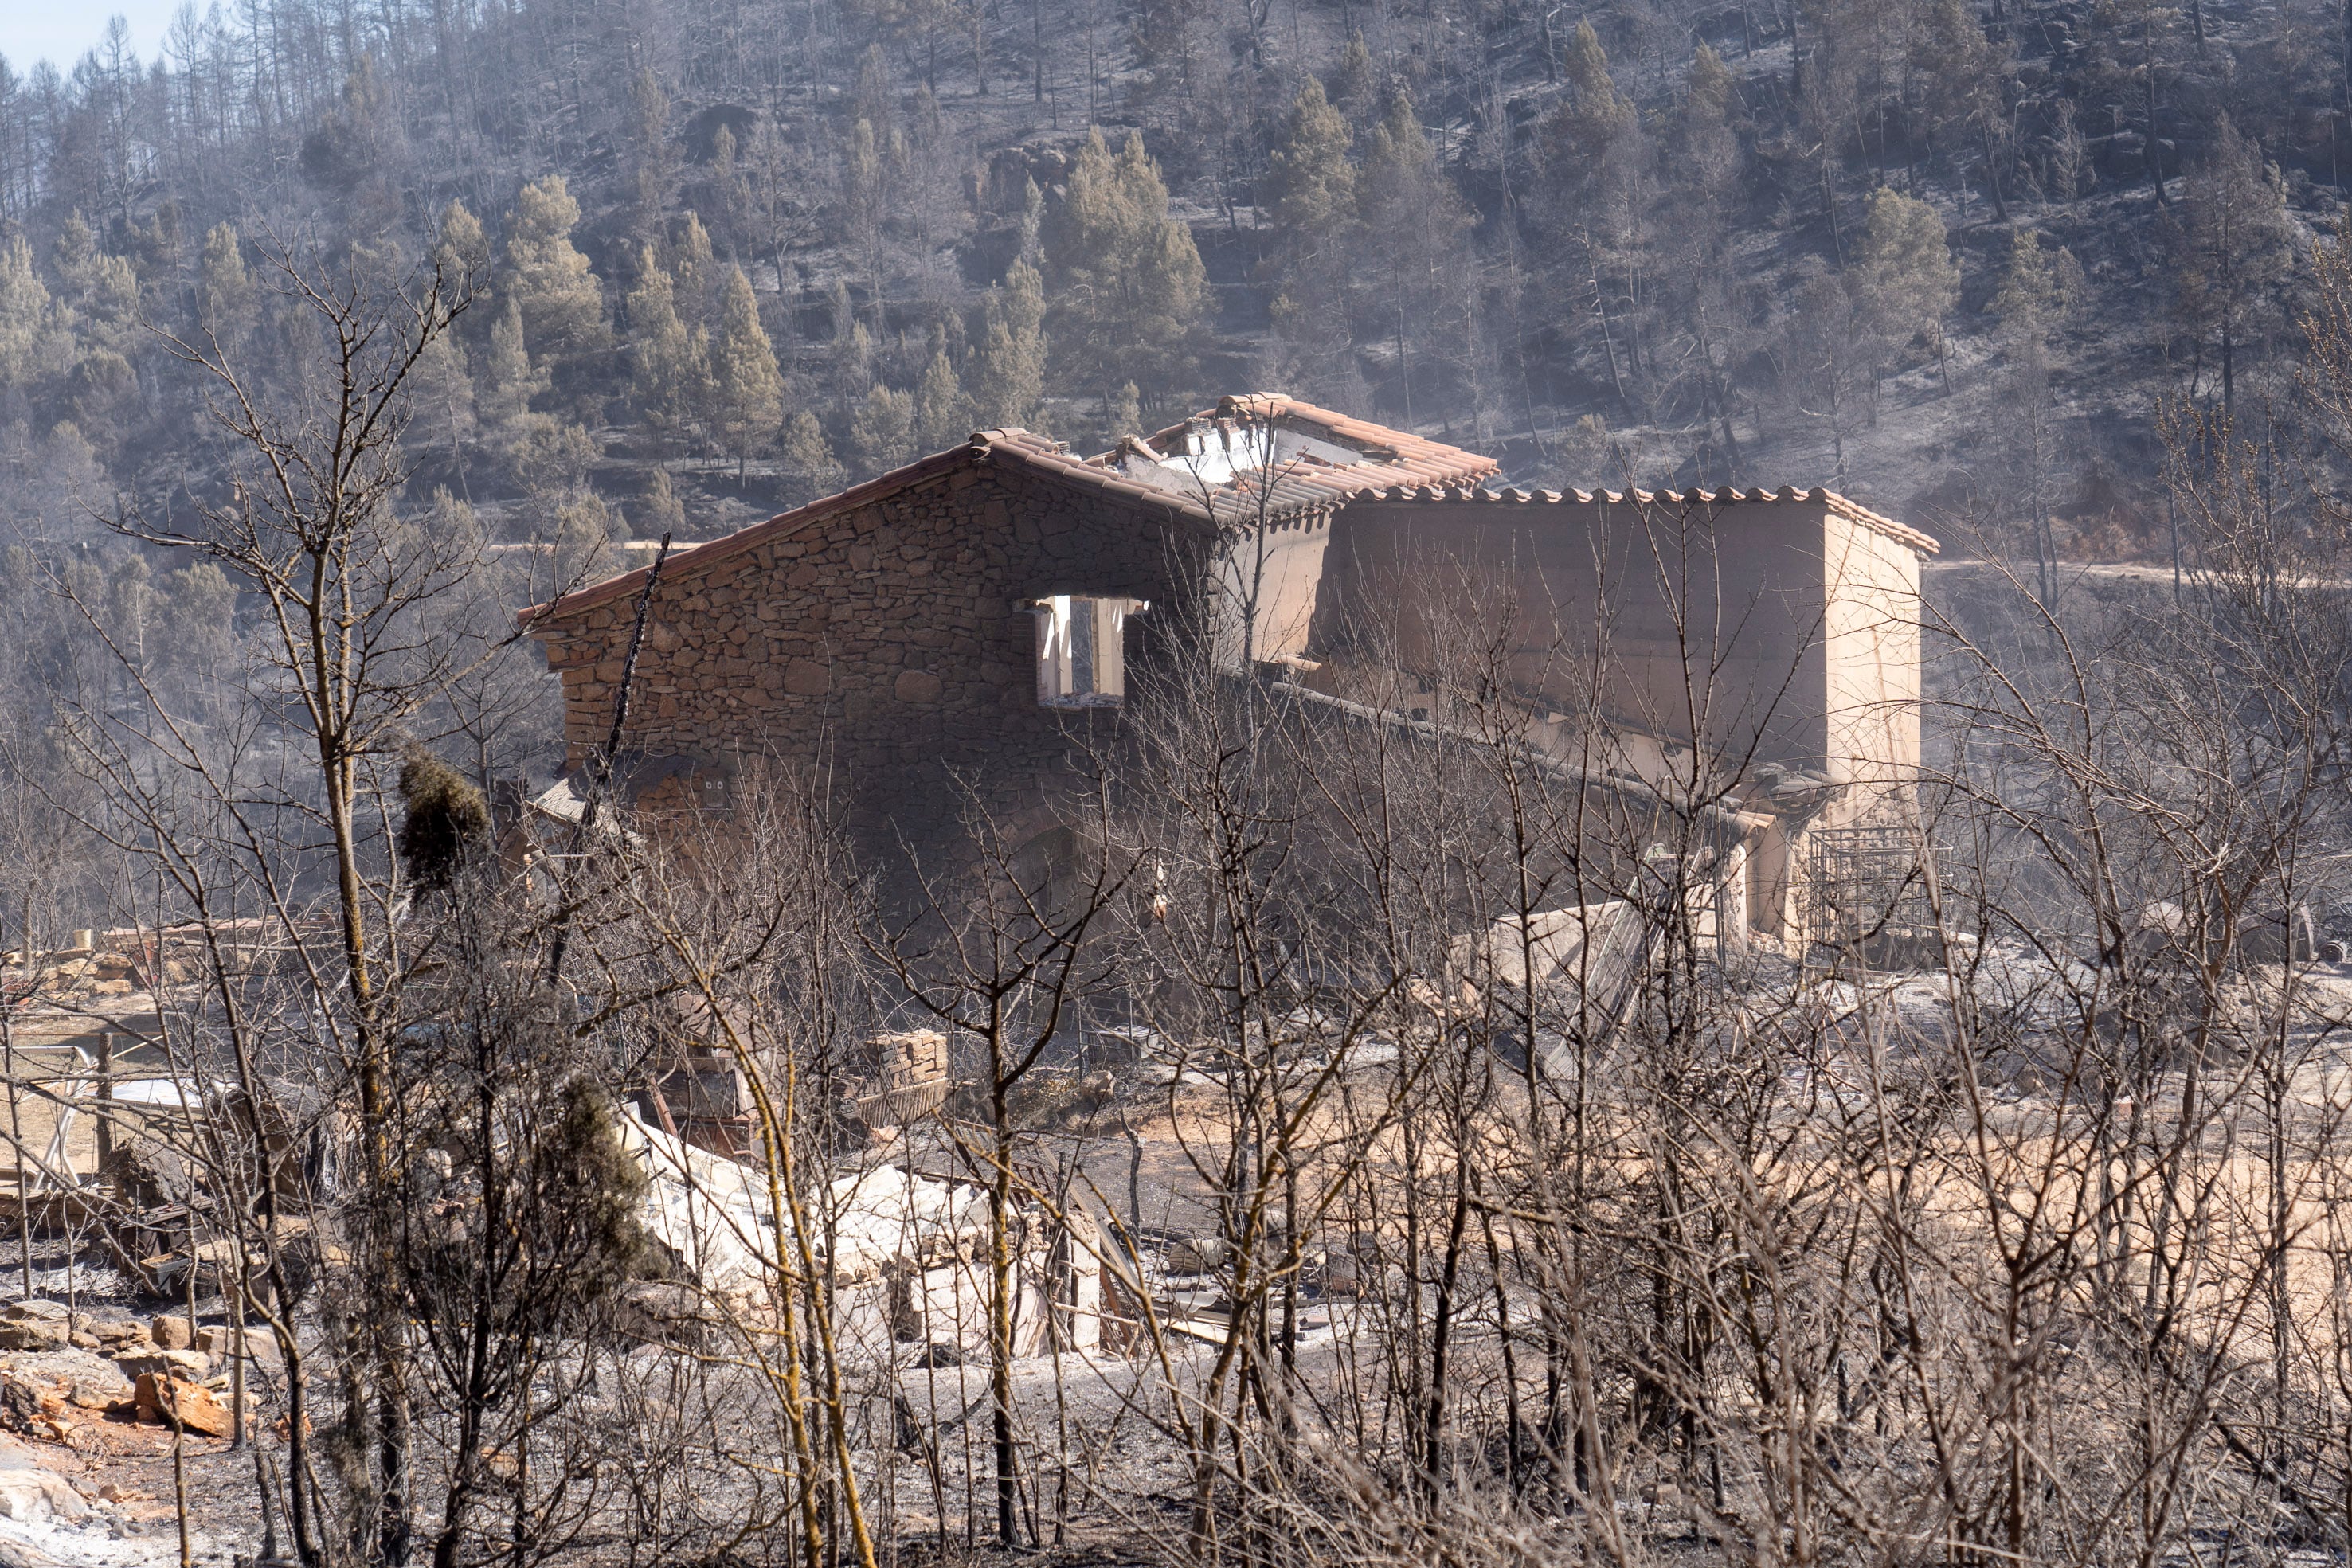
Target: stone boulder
[(193, 1364), (188, 1405)]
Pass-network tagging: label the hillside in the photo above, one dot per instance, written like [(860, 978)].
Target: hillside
[(1699, 242)]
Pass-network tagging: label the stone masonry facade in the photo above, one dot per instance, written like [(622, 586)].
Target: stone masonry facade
[(887, 636)]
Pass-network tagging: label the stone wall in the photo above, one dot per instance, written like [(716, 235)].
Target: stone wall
[(888, 640)]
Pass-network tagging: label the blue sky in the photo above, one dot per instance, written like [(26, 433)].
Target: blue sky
[(60, 31)]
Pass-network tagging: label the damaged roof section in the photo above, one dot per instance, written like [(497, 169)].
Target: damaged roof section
[(1252, 458), (1264, 454)]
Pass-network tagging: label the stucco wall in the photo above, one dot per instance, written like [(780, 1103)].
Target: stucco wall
[(1268, 581), (1872, 702), (1706, 623)]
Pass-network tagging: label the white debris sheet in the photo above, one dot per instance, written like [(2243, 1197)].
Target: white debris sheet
[(717, 1216)]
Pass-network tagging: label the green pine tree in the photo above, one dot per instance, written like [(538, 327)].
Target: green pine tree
[(462, 248), (1311, 184), (1595, 112), (1311, 189), (2037, 289), (806, 452), (445, 394), (747, 391), (1412, 283), (663, 512), (1710, 150), (561, 302), (669, 365), (2237, 245), (882, 432), (1009, 370), (942, 413), (1130, 278), (695, 271), (1909, 283), (225, 291), (1355, 90), (1122, 414), (506, 381), (102, 290), (32, 337)]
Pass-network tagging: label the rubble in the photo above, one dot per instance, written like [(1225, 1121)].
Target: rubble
[(716, 1216)]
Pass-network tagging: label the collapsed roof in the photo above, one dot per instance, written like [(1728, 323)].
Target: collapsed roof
[(1264, 455)]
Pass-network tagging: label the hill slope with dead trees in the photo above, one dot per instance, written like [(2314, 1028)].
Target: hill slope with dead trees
[(1344, 1087)]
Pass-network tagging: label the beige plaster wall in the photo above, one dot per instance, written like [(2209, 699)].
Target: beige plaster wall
[(1872, 700), (1685, 625), (1268, 581)]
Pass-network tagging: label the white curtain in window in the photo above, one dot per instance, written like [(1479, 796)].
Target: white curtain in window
[(1081, 657)]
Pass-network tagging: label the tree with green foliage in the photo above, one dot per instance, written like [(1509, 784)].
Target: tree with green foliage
[(806, 452), (2027, 438), (507, 380), (746, 390), (33, 338), (942, 413), (461, 247), (1965, 77), (1710, 152), (1311, 193), (1593, 114), (2037, 289), (654, 177), (225, 290), (101, 290), (1009, 367), (1131, 281), (1822, 354), (444, 396), (695, 272), (1416, 279), (561, 302), (1311, 184), (1354, 88), (446, 823), (661, 512), (730, 197), (1594, 164), (2236, 244), (868, 197), (1908, 283), (1122, 414), (882, 430), (669, 366), (545, 454)]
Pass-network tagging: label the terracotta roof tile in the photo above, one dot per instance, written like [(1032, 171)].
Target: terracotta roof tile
[(1016, 448), (1305, 482), (1925, 544), (1296, 489)]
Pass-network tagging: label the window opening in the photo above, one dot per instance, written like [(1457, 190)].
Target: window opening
[(1081, 654)]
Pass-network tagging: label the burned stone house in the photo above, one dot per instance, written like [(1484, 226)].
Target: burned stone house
[(962, 613), (966, 619)]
